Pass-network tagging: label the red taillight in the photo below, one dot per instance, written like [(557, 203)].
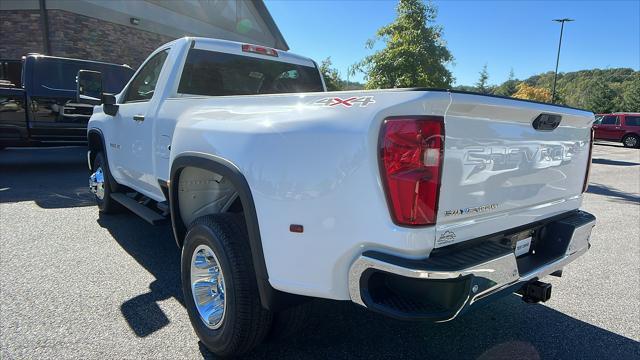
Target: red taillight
[(411, 151), (585, 186), (259, 50)]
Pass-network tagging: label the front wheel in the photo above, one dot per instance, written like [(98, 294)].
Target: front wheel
[(631, 141), (99, 182), (219, 285)]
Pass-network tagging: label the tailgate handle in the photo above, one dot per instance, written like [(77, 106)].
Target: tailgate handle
[(546, 122)]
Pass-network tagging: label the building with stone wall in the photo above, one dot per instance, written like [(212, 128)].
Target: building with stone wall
[(126, 31)]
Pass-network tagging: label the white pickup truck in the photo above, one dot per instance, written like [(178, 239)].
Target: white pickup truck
[(414, 203)]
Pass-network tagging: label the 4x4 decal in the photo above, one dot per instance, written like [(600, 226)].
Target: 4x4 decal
[(362, 101)]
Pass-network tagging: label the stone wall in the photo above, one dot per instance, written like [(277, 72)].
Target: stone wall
[(20, 33), (75, 36), (78, 36)]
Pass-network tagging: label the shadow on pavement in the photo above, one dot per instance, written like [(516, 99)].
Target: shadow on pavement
[(155, 250), (51, 177), (58, 178), (614, 162), (506, 329), (613, 194)]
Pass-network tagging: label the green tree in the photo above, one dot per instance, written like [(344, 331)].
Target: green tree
[(482, 84), (415, 53), (509, 87), (331, 75), (596, 89), (600, 97), (631, 96), (465, 88)]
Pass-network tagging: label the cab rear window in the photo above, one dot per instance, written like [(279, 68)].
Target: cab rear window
[(213, 73)]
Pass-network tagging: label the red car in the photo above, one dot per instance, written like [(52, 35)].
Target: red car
[(623, 127)]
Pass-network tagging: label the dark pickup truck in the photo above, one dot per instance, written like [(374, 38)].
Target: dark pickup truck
[(38, 99)]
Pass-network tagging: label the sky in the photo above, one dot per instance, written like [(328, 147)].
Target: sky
[(505, 35)]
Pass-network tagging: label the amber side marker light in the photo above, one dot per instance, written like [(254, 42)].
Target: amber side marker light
[(295, 228)]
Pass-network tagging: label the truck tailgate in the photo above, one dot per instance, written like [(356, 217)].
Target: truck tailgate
[(500, 172)]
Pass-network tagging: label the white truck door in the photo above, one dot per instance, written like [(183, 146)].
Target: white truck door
[(134, 135)]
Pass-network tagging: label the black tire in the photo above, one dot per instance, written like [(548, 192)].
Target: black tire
[(106, 205), (631, 141), (290, 322), (245, 323)]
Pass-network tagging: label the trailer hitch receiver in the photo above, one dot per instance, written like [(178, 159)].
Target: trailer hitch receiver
[(535, 292)]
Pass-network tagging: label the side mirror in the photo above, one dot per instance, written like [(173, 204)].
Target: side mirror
[(89, 87), (89, 91), (109, 104)]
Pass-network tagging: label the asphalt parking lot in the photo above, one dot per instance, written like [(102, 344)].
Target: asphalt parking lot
[(74, 284)]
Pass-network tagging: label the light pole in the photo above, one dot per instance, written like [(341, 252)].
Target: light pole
[(555, 77)]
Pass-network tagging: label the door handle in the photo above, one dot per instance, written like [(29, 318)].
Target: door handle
[(138, 117)]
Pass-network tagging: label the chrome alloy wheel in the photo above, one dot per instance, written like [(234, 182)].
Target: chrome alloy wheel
[(96, 183), (207, 286), (631, 141)]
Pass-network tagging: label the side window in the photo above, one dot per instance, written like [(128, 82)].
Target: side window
[(598, 120), (609, 120), (632, 120), (144, 84)]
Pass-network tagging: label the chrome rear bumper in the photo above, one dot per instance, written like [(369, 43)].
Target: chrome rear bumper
[(469, 284)]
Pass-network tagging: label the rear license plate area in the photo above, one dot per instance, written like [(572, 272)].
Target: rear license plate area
[(523, 243), (523, 247)]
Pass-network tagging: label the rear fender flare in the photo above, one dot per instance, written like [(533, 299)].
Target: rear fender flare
[(271, 298)]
